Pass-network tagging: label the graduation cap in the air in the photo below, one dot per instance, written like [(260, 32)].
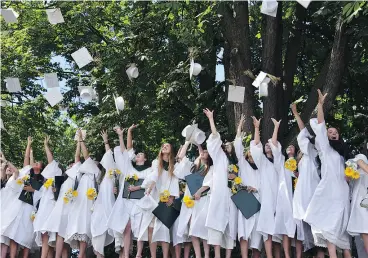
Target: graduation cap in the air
[(10, 16), (261, 82), (13, 84), (236, 94), (119, 103), (51, 80), (194, 182), (87, 93), (59, 180), (269, 7), (132, 71), (194, 69), (54, 96), (82, 57), (133, 195), (247, 203), (54, 16), (166, 214)]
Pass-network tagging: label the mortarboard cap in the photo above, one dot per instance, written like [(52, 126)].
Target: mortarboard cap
[(261, 76), (132, 71), (269, 7), (188, 131), (86, 93), (194, 69), (119, 103), (82, 57), (263, 87), (304, 3), (13, 84), (236, 94), (51, 80), (54, 16), (10, 16), (247, 203), (53, 96), (133, 195), (166, 214)]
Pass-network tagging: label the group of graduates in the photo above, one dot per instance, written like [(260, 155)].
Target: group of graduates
[(258, 195)]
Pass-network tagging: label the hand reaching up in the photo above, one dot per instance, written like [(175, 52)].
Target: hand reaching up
[(321, 97), (208, 113)]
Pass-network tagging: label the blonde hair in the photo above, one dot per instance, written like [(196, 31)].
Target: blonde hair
[(171, 161)]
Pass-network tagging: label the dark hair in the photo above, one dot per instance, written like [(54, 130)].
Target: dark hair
[(364, 149), (295, 153), (196, 167), (233, 159)]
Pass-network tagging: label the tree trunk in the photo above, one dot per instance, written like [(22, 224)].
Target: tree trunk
[(271, 64), (235, 29)]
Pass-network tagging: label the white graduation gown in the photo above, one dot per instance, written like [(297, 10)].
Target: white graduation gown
[(101, 235), (16, 223), (163, 182), (47, 204), (358, 221), (269, 189), (125, 209), (247, 228), (57, 222), (308, 175), (222, 212), (198, 213), (328, 210), (79, 219)]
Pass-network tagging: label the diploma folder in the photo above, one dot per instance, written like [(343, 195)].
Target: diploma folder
[(59, 180), (136, 194), (27, 197), (194, 182), (166, 214), (247, 203)]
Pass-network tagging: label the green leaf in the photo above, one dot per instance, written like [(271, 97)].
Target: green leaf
[(346, 8)]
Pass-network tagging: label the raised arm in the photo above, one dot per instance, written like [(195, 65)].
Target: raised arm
[(363, 165), (240, 126), (83, 146), (28, 152), (200, 149), (275, 131), (321, 100), (209, 114), (105, 140), (297, 117), (120, 133), (183, 150), (31, 158), (77, 153), (49, 155), (130, 137), (256, 123)]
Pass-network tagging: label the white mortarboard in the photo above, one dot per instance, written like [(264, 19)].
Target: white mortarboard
[(269, 7), (198, 136), (132, 71), (119, 103), (82, 57), (263, 87), (54, 16), (76, 137), (194, 69), (236, 94), (304, 3), (188, 131), (86, 93), (10, 16), (3, 103), (13, 84), (261, 76), (51, 80), (53, 96)]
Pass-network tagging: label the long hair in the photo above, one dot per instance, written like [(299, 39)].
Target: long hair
[(233, 159), (171, 161), (197, 164)]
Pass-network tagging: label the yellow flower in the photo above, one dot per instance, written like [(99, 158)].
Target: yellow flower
[(293, 167), (110, 173), (75, 193), (91, 193), (117, 171), (235, 168), (356, 175), (135, 176), (233, 190), (164, 198), (19, 181), (70, 190), (189, 203), (292, 162), (26, 177), (186, 198), (349, 172), (48, 183), (127, 178), (166, 193), (66, 199), (237, 180), (33, 217)]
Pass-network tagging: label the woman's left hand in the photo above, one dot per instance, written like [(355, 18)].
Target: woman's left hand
[(133, 188), (28, 188), (251, 189), (170, 201), (197, 195)]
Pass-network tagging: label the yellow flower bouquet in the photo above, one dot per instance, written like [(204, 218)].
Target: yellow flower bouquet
[(188, 201), (91, 193), (351, 170), (233, 169), (48, 183), (291, 164), (164, 196), (132, 180), (70, 195)]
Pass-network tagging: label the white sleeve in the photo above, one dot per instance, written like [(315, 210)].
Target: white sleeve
[(239, 148), (183, 168), (122, 160), (257, 152), (174, 187), (278, 158), (214, 146), (107, 160), (153, 176), (207, 181), (320, 130), (303, 140)]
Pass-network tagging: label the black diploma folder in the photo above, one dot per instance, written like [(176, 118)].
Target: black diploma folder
[(194, 182), (27, 197), (166, 214), (247, 203), (133, 195), (59, 180)]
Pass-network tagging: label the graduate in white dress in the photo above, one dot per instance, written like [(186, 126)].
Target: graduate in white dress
[(163, 187), (101, 234), (329, 208), (126, 216), (358, 221), (306, 182), (248, 235), (222, 213), (17, 221), (57, 222), (192, 219), (269, 190), (78, 233)]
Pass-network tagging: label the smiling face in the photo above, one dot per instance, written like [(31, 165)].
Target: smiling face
[(333, 134), (267, 148), (166, 148), (290, 151), (228, 147), (37, 167), (140, 158)]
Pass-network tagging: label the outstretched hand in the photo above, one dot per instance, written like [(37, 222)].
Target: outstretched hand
[(208, 113), (104, 136), (29, 140), (275, 122), (119, 131), (256, 122), (47, 140), (133, 126), (321, 97), (293, 108), (241, 121), (80, 136)]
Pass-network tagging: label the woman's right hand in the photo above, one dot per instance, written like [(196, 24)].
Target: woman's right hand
[(321, 97), (256, 122), (29, 140), (208, 113)]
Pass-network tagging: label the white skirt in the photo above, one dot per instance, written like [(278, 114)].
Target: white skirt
[(247, 230), (218, 238)]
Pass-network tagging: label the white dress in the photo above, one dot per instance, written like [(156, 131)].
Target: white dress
[(125, 209), (47, 204), (57, 222), (101, 235), (191, 221), (358, 222), (79, 219), (328, 210), (16, 222), (269, 189), (222, 213), (163, 182), (247, 228)]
